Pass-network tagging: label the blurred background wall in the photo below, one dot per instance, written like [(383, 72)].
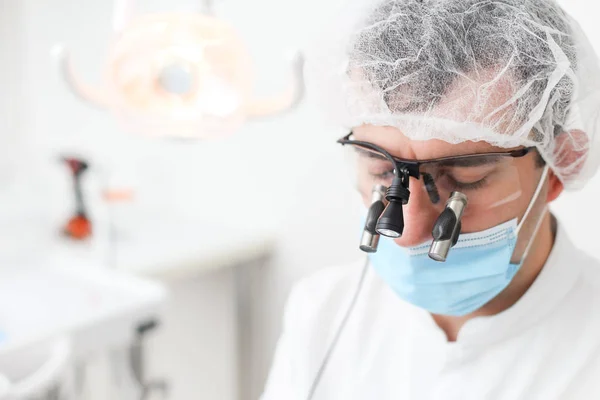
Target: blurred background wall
[(288, 170)]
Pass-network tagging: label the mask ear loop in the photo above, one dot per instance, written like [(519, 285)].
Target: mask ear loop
[(540, 219), (535, 231), (533, 199)]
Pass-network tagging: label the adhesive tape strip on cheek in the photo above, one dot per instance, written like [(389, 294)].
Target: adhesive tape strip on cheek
[(508, 199)]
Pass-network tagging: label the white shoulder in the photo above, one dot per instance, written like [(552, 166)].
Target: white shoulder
[(590, 267), (321, 296), (312, 313)]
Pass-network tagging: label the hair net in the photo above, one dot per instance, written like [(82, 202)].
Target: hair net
[(508, 72)]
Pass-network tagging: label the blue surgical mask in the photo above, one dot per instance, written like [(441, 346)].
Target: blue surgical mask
[(477, 269)]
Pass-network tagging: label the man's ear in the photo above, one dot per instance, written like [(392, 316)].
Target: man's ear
[(570, 153), (555, 187)]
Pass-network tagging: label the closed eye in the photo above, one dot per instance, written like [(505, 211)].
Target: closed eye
[(465, 186), (384, 175)]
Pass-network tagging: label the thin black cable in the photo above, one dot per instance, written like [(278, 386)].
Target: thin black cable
[(333, 344)]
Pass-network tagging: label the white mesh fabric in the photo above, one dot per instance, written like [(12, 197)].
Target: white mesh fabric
[(508, 72)]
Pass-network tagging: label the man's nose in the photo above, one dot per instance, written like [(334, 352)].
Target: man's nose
[(419, 216)]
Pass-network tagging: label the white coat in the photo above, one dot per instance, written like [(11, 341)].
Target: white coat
[(547, 346)]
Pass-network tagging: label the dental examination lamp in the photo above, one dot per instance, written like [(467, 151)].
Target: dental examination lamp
[(385, 215), (179, 74)]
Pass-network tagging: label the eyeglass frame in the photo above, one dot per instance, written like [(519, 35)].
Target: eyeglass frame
[(413, 166)]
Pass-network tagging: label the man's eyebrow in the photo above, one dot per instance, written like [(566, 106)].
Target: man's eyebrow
[(370, 153), (470, 161)]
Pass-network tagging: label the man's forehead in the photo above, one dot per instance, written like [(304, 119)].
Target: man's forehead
[(399, 145)]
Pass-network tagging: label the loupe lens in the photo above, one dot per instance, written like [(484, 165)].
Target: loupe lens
[(391, 222), (388, 233)]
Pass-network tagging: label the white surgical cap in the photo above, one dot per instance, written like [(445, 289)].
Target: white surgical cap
[(507, 72)]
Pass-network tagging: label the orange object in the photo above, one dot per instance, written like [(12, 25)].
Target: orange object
[(116, 195), (78, 227)]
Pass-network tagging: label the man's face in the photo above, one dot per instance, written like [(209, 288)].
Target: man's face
[(507, 189)]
